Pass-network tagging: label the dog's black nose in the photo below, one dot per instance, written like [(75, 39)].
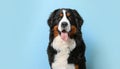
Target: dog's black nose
[(64, 24)]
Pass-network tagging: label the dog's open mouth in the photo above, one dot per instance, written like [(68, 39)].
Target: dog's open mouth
[(64, 35)]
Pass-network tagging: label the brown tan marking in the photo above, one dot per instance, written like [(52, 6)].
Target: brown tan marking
[(55, 31), (73, 30), (76, 66), (61, 14), (68, 14)]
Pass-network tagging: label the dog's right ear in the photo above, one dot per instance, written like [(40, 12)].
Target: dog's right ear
[(79, 19), (51, 18)]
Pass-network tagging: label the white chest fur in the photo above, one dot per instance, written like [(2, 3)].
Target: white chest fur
[(63, 49)]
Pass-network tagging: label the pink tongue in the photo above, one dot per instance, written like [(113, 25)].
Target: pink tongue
[(64, 36)]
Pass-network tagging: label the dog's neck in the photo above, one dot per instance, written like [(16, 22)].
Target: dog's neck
[(63, 49)]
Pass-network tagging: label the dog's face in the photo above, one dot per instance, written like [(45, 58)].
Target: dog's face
[(65, 22)]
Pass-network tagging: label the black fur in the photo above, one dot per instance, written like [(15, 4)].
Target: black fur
[(77, 56)]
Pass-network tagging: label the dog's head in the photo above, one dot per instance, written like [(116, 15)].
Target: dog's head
[(65, 22)]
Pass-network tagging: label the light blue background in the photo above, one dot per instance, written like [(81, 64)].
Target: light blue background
[(24, 32)]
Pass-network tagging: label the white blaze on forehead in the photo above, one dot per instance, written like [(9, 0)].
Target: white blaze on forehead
[(64, 19)]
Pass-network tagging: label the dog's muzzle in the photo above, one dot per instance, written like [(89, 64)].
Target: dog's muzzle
[(64, 24)]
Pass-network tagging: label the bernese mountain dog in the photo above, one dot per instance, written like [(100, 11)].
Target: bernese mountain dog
[(66, 49)]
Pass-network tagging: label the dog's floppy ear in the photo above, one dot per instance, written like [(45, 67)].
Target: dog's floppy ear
[(78, 19), (51, 18)]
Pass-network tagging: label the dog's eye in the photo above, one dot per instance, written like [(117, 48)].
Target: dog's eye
[(69, 18), (61, 14), (68, 14)]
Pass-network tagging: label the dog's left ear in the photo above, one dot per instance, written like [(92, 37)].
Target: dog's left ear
[(78, 19), (51, 17)]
